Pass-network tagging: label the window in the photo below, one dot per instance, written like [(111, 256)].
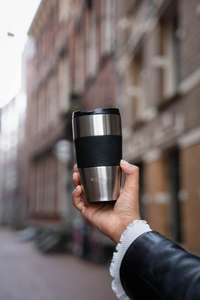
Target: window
[(141, 190), (32, 189), (38, 194), (174, 178), (48, 93), (64, 84), (64, 10), (79, 63), (53, 100), (43, 186), (34, 117), (103, 28), (46, 183), (45, 113), (170, 53), (108, 27), (129, 6), (49, 182), (61, 188), (135, 88), (51, 185), (91, 51), (41, 110)]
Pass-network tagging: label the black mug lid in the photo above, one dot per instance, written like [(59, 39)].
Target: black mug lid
[(98, 111)]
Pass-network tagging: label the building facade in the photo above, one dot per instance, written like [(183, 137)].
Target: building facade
[(48, 103), (13, 200), (13, 205), (73, 67), (158, 95), (141, 56)]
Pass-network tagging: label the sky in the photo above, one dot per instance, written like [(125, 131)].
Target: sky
[(15, 17)]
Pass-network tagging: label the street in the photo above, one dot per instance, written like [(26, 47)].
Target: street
[(26, 274)]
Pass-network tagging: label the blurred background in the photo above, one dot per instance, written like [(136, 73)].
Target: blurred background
[(142, 56)]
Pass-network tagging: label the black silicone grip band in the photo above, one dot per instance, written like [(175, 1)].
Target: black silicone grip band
[(95, 151)]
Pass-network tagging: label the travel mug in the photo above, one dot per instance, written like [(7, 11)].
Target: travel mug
[(97, 136)]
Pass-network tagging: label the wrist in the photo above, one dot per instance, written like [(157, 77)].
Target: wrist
[(132, 232), (123, 224)]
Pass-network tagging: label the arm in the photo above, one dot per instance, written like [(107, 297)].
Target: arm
[(156, 268), (153, 267)]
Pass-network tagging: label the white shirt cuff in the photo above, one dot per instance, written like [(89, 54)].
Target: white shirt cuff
[(132, 232)]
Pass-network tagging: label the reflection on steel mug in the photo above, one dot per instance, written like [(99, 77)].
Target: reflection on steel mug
[(97, 136)]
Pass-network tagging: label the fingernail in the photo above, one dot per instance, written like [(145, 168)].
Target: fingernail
[(125, 163), (75, 189)]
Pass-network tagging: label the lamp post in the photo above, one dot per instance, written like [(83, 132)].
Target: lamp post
[(63, 150)]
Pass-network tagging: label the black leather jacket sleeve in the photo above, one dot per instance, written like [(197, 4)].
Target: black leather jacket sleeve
[(155, 268)]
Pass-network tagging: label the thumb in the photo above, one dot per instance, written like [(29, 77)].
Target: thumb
[(132, 178)]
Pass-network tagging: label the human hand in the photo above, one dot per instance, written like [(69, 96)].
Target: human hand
[(111, 218)]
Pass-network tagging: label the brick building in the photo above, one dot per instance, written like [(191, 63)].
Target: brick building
[(13, 206), (48, 103), (158, 94), (143, 57), (73, 67), (13, 201)]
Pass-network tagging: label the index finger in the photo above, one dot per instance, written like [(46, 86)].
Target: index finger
[(75, 168)]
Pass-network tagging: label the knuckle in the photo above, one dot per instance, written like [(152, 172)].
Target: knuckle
[(136, 169)]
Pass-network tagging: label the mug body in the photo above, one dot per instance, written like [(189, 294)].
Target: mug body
[(97, 136)]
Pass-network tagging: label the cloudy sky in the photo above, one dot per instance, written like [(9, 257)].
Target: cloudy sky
[(15, 17)]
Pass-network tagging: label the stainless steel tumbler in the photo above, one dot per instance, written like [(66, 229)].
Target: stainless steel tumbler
[(97, 136)]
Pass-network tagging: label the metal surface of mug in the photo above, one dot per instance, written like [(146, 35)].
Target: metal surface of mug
[(97, 136)]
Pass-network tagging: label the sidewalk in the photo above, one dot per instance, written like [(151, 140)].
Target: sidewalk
[(26, 274)]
